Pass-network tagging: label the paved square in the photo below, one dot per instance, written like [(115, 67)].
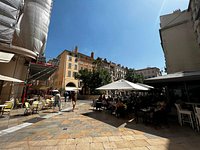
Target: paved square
[(85, 129)]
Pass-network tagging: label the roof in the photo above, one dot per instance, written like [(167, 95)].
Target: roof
[(148, 68), (175, 77)]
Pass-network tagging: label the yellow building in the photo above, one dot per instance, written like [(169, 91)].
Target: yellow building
[(70, 62)]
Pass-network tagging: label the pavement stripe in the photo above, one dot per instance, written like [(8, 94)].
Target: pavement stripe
[(15, 128)]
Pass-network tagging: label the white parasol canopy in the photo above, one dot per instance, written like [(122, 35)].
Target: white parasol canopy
[(145, 85), (123, 85), (68, 88), (6, 78)]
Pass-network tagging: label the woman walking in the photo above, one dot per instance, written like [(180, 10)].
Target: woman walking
[(73, 97)]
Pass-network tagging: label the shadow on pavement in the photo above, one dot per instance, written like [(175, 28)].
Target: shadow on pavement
[(106, 118)]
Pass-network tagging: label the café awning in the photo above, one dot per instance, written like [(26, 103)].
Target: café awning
[(41, 71), (68, 88), (6, 78), (5, 57), (175, 77)]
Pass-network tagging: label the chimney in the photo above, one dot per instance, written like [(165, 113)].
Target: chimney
[(76, 50), (92, 55)]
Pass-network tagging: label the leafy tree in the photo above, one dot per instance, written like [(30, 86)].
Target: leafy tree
[(133, 77), (92, 80)]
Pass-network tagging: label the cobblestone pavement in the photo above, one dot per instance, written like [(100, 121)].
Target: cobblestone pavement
[(86, 129)]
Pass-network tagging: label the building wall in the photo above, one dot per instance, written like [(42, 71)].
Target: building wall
[(194, 8), (149, 72), (71, 68), (178, 41), (16, 68), (68, 65), (85, 62)]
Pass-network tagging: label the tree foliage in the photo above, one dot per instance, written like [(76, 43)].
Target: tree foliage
[(94, 79), (133, 77)]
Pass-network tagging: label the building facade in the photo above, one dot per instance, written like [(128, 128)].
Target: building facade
[(116, 71), (149, 72), (179, 43), (70, 62), (194, 8), (18, 45)]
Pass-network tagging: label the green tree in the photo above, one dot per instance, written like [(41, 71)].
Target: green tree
[(133, 77), (94, 79)]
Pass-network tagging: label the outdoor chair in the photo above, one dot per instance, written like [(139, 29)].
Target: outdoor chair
[(18, 104), (197, 117), (44, 104), (7, 109), (35, 106), (49, 102), (98, 105), (28, 108), (183, 114)]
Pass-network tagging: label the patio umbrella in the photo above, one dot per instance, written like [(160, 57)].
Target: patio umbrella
[(68, 88), (122, 85), (6, 78), (145, 85)]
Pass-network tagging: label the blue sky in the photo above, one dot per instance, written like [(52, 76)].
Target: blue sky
[(123, 31)]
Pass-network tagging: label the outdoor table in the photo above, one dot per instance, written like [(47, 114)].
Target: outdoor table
[(1, 109), (98, 105), (146, 114), (193, 105)]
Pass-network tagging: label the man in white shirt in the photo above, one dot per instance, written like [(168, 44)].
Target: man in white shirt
[(57, 101)]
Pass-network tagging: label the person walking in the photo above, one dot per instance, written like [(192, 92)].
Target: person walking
[(65, 95), (57, 101), (73, 97)]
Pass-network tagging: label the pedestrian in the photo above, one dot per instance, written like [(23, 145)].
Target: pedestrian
[(69, 95), (65, 95), (57, 101), (73, 97)]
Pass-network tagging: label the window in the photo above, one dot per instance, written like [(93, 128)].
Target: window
[(75, 67), (69, 58), (74, 74), (69, 73), (69, 65)]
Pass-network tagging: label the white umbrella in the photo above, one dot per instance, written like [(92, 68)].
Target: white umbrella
[(122, 85), (68, 88), (6, 78), (145, 85)]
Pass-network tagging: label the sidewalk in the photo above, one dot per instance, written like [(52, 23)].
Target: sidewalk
[(85, 129)]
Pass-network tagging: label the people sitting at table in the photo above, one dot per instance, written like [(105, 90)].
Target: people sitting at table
[(99, 102), (160, 113), (120, 108)]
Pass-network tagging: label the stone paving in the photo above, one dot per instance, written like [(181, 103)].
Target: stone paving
[(86, 129)]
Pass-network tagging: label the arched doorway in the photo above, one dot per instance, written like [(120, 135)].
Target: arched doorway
[(70, 84)]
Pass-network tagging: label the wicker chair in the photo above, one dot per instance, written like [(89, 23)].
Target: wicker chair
[(7, 109)]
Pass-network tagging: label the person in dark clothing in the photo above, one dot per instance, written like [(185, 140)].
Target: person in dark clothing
[(65, 95), (160, 114), (73, 97)]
